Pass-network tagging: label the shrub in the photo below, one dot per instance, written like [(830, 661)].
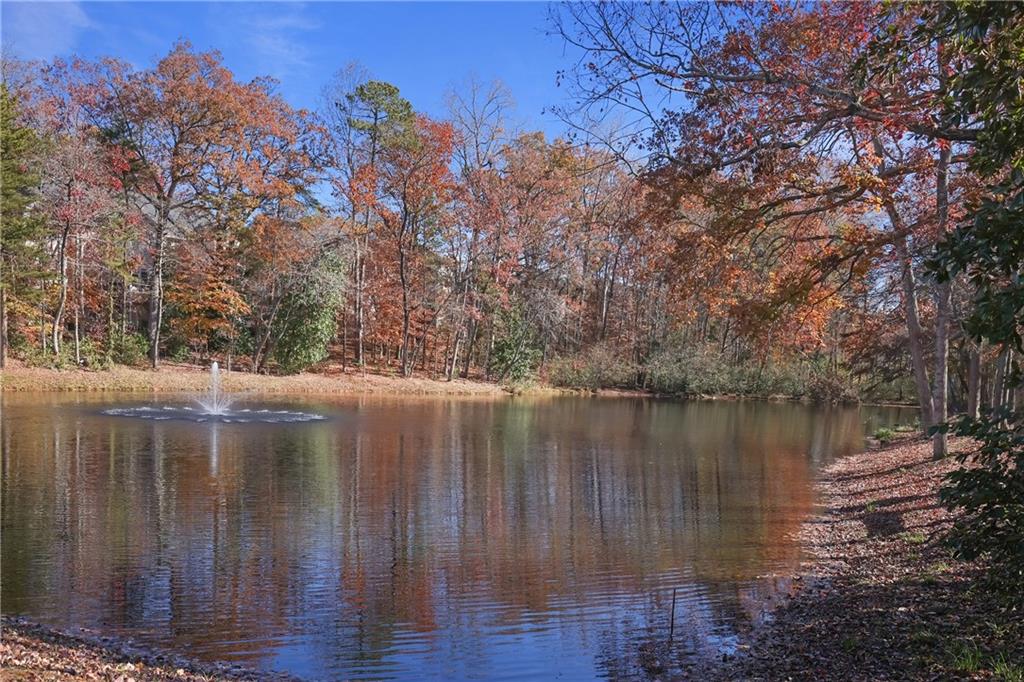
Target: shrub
[(824, 387), (884, 434), (90, 354), (988, 492), (682, 369), (307, 322), (597, 368), (130, 349), (515, 354)]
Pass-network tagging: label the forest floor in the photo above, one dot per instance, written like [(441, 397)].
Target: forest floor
[(883, 599)]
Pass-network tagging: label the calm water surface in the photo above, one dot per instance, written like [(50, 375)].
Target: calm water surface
[(414, 538)]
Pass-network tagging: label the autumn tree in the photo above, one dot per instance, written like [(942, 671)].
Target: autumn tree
[(412, 203), (479, 115), (985, 43), (363, 116), (779, 127), (178, 119), (78, 198)]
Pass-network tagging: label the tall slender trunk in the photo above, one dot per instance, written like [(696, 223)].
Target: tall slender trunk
[(360, 272), (940, 388), (344, 337), (974, 381), (62, 299), (910, 308), (42, 323), (80, 303), (110, 321), (156, 292), (3, 326), (998, 381), (404, 358), (455, 356), (914, 333), (609, 292), (467, 358)]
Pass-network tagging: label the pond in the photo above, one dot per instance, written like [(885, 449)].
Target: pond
[(415, 538)]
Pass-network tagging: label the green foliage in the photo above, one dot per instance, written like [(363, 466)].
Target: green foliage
[(988, 248), (884, 434), (598, 367), (130, 349), (1004, 668), (20, 244), (989, 494), (307, 322), (515, 354), (703, 370), (377, 109), (91, 354), (914, 538), (965, 657)]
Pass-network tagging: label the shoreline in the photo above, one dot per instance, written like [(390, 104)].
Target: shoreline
[(881, 597), (188, 378), (31, 651)]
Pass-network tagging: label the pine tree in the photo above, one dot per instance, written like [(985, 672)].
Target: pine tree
[(20, 246)]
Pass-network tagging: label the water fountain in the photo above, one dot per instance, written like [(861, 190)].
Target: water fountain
[(215, 407), (215, 402)]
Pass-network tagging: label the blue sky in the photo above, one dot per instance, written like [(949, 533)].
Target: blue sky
[(423, 48)]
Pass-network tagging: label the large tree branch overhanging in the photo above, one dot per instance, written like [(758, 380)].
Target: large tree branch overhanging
[(627, 45)]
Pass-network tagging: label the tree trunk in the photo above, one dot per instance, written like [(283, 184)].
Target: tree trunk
[(156, 296), (3, 326), (80, 306), (998, 388), (940, 388), (909, 284), (467, 357), (974, 381), (360, 273), (455, 355), (62, 299), (110, 322), (404, 359), (914, 334)]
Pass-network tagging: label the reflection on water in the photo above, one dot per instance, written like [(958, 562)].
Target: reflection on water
[(417, 539)]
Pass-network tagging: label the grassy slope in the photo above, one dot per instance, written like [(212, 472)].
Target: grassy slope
[(177, 378)]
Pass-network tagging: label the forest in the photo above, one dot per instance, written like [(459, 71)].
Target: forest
[(745, 201), (818, 202)]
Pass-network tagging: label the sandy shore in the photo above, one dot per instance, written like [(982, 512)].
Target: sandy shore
[(883, 598)]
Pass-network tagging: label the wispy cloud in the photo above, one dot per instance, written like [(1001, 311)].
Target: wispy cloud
[(273, 33), (42, 30)]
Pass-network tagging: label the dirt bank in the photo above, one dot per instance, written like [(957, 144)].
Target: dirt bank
[(884, 599), (31, 652)]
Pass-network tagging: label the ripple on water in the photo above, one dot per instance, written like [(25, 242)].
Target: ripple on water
[(185, 413)]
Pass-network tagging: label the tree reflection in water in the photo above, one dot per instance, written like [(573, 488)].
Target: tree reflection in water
[(415, 538)]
